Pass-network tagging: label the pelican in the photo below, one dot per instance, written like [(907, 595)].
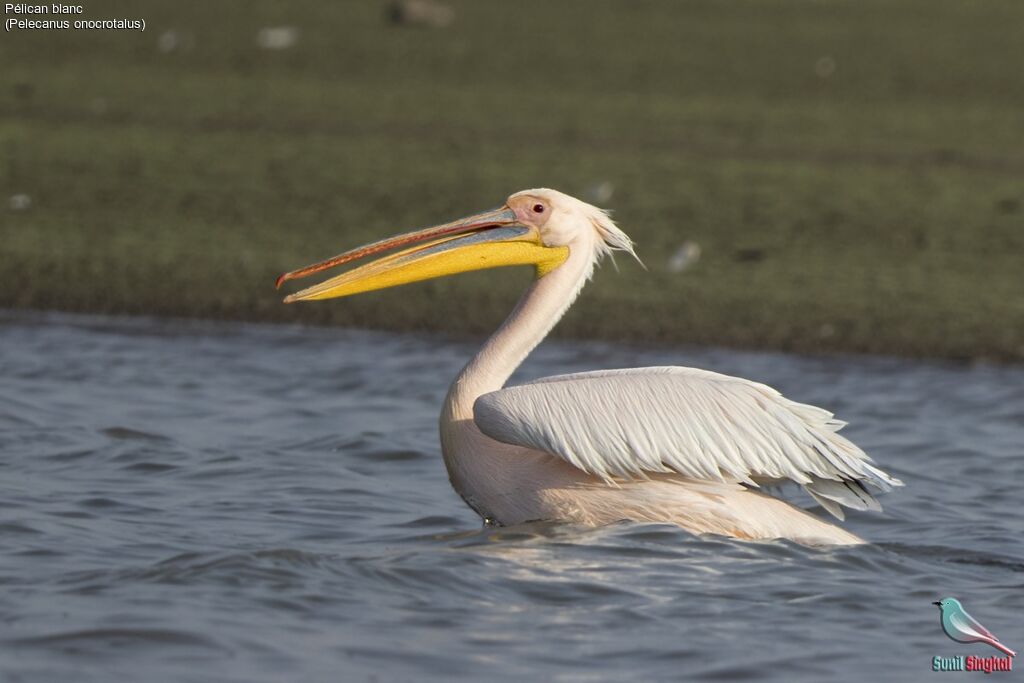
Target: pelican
[(674, 445)]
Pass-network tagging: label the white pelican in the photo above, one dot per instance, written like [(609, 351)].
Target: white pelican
[(665, 444)]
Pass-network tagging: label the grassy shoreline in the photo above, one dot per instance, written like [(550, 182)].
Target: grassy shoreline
[(852, 172)]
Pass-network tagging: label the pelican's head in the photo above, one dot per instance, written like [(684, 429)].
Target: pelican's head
[(534, 227), (561, 220)]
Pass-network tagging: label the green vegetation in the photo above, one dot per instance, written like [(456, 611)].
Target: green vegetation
[(852, 171)]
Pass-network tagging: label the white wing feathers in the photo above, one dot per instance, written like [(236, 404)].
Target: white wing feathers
[(703, 425)]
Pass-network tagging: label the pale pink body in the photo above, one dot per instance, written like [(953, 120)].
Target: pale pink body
[(511, 485)]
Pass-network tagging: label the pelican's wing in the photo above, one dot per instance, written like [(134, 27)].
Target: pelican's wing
[(628, 423)]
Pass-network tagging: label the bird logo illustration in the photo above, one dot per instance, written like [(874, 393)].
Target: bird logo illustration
[(963, 628)]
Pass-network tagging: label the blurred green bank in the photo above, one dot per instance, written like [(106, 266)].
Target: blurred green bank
[(809, 175)]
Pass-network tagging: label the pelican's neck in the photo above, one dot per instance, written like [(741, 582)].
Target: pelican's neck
[(541, 306)]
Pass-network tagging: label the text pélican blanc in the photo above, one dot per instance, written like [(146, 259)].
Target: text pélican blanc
[(21, 8), (57, 10)]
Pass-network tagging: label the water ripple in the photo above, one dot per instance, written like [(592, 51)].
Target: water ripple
[(192, 501)]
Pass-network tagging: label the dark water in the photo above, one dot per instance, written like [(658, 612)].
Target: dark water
[(195, 502)]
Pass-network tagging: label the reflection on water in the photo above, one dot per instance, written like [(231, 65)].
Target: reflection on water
[(187, 501)]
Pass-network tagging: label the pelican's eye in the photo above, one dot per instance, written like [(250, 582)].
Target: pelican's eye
[(538, 208)]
